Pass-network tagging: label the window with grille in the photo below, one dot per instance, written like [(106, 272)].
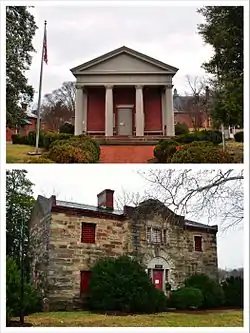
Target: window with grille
[(85, 279), (88, 233), (197, 243), (156, 235)]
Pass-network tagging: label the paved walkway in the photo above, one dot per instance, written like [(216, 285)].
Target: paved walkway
[(126, 154)]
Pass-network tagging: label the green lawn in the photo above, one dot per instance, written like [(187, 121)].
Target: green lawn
[(236, 149), (19, 154), (232, 318)]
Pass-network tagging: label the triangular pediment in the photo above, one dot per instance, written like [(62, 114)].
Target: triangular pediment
[(124, 60)]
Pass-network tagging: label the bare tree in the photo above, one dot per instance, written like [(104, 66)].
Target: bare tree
[(65, 95), (55, 115), (195, 102), (59, 106), (216, 194)]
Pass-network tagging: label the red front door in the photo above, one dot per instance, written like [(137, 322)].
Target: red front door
[(158, 278)]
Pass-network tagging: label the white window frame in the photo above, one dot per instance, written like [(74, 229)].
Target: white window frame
[(149, 235)]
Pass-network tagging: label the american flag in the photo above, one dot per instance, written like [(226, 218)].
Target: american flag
[(45, 54)]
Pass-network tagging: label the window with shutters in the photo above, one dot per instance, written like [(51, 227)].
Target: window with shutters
[(88, 233), (85, 279), (198, 243), (156, 235)]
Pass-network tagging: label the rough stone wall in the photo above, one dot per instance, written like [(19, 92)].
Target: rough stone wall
[(68, 256), (39, 246), (178, 251)]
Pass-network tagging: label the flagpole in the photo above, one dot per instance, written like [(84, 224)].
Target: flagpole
[(40, 92)]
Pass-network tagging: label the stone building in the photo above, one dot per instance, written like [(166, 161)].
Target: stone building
[(124, 93), (67, 238)]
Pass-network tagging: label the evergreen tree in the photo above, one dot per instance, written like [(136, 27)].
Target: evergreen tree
[(19, 205), (223, 30), (20, 30)]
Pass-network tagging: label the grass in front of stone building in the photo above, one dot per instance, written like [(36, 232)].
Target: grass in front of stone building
[(19, 154), (223, 318)]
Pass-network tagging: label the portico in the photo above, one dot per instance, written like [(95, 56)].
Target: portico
[(124, 93)]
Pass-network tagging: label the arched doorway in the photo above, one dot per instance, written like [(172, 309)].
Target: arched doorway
[(159, 270)]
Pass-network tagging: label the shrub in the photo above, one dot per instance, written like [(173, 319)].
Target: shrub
[(201, 153), (66, 153), (67, 128), (181, 128), (51, 137), (233, 288), (121, 284), (213, 136), (32, 299), (19, 139), (204, 135), (164, 150), (211, 290), (239, 137), (32, 138), (77, 149), (187, 138), (186, 298)]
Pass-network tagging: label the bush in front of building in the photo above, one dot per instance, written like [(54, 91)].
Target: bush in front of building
[(212, 292), (239, 137), (32, 299), (204, 135), (186, 298), (77, 149), (233, 288), (67, 128), (122, 285), (18, 139), (30, 139), (181, 128), (164, 150), (51, 137), (201, 152)]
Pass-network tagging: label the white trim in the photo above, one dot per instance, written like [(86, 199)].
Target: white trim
[(121, 106)]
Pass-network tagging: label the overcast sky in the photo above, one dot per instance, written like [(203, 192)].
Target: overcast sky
[(81, 184), (79, 34)]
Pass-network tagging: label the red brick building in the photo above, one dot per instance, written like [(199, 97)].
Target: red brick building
[(28, 125)]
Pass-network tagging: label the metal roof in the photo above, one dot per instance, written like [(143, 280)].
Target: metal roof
[(189, 223), (87, 207)]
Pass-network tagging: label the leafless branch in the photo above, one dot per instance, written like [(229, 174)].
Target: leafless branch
[(216, 194)]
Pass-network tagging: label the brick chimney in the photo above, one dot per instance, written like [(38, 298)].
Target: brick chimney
[(53, 198), (105, 199)]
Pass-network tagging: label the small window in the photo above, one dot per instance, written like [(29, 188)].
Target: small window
[(197, 243), (156, 236), (88, 233), (85, 278)]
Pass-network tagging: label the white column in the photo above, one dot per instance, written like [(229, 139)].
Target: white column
[(169, 111), (85, 110), (79, 110), (109, 111), (139, 112), (163, 111)]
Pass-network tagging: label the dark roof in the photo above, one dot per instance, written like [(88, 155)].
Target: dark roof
[(76, 205), (180, 102), (189, 223), (46, 205)]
